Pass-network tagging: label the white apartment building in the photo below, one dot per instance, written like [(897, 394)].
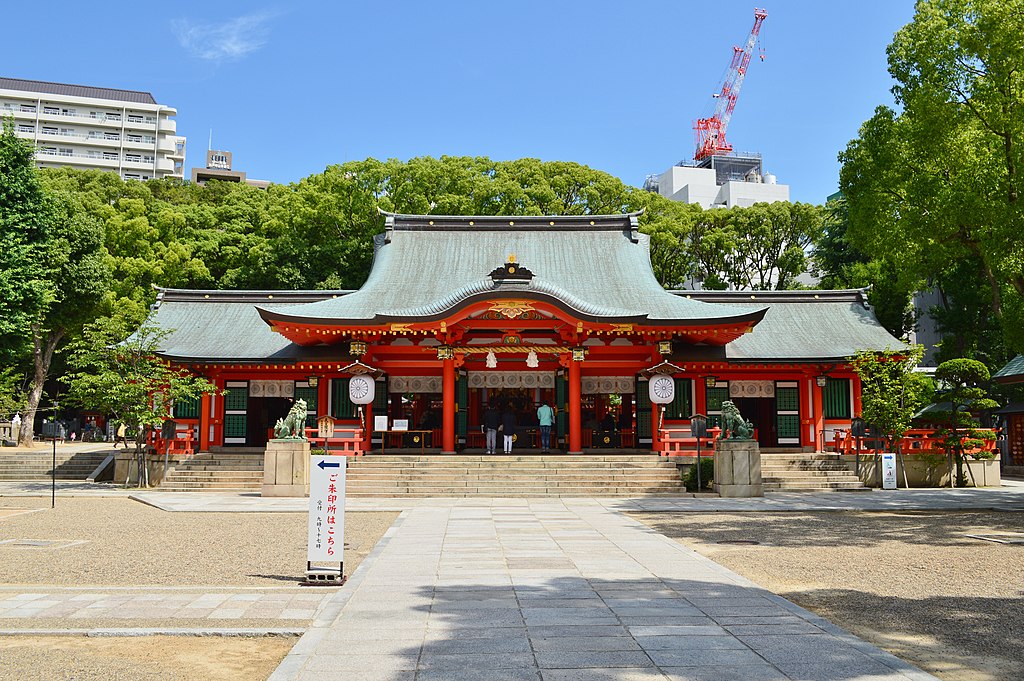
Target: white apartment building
[(79, 126)]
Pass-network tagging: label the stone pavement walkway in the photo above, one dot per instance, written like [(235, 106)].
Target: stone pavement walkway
[(29, 607), (564, 590)]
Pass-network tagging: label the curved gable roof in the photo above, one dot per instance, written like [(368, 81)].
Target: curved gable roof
[(598, 266)]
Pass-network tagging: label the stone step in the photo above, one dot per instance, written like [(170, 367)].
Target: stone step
[(204, 486), (603, 490), (838, 487)]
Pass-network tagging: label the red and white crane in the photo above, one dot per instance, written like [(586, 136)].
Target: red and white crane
[(710, 132)]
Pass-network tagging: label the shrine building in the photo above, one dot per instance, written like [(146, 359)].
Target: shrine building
[(460, 312)]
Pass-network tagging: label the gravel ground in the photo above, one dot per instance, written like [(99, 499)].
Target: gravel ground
[(128, 543), (912, 583), (153, 658)]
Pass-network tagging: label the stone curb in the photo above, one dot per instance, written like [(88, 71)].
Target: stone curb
[(153, 631)]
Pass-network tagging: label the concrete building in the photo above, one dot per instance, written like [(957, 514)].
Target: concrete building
[(218, 167), (719, 182), (80, 126)]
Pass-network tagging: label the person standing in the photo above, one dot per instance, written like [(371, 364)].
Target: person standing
[(508, 426), (492, 419), (121, 436), (546, 419)]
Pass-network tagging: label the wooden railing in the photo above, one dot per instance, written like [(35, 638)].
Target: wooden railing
[(914, 441), (679, 442), (183, 443), (346, 441)]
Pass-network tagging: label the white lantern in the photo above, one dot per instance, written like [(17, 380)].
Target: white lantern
[(361, 389), (662, 389)]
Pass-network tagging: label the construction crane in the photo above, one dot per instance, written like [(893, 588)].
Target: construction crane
[(710, 132)]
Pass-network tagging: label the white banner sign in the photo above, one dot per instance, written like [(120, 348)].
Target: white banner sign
[(326, 509), (888, 471)]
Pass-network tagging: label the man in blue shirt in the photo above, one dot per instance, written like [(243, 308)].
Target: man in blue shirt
[(546, 418)]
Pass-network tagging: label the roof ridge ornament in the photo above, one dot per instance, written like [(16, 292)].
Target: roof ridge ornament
[(511, 271)]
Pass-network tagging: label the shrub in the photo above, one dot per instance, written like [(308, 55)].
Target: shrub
[(707, 472)]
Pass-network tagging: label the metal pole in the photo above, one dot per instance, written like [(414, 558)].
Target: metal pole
[(700, 485), (53, 476)]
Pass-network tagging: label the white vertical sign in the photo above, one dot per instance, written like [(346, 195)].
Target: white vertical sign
[(326, 509), (888, 471)]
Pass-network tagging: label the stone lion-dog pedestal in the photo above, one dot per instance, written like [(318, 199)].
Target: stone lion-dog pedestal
[(738, 469), (286, 469)]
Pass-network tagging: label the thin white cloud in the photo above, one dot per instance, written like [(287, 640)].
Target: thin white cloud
[(227, 41)]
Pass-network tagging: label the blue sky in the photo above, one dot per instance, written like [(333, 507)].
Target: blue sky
[(293, 87)]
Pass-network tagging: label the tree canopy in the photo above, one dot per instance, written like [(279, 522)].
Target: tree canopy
[(935, 185)]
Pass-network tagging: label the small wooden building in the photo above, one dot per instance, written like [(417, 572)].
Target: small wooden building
[(1013, 413), (460, 312)]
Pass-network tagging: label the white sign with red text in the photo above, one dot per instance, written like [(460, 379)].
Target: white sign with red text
[(326, 509)]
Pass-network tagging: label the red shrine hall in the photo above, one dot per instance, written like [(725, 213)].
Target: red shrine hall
[(462, 312)]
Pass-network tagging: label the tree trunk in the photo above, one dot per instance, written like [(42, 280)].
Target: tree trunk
[(43, 347)]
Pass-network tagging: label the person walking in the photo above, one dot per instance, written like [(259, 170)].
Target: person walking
[(546, 419), (121, 436), (492, 419), (508, 426)]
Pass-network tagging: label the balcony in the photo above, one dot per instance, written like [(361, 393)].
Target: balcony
[(136, 122), (138, 144), (17, 112), (168, 125), (63, 158), (102, 119)]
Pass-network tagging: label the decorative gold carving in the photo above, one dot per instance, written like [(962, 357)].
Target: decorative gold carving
[(511, 257), (622, 328), (400, 328), (511, 308)]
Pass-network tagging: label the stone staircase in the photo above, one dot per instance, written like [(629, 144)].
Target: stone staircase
[(596, 475), (36, 465), (221, 471), (792, 472)]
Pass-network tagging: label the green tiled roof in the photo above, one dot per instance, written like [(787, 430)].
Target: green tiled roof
[(803, 325), (1012, 372), (598, 267), (225, 326)]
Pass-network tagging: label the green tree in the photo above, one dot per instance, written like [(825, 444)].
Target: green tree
[(78, 278), (770, 243), (938, 183), (890, 392), (840, 263), (120, 374), (24, 289), (961, 392)]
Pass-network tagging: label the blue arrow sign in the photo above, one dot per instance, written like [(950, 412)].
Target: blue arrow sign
[(323, 465)]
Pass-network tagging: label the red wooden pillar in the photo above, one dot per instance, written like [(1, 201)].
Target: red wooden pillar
[(368, 427), (700, 396), (218, 413), (655, 426), (448, 412), (204, 423), (575, 415), (858, 407), (819, 418), (323, 397)]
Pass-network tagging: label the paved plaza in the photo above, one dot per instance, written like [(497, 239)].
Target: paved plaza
[(540, 589)]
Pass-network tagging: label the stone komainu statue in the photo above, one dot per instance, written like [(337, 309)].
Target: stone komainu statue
[(292, 426), (734, 426)]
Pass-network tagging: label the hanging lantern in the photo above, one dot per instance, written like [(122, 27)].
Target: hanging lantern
[(361, 389), (531, 360), (492, 361)]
